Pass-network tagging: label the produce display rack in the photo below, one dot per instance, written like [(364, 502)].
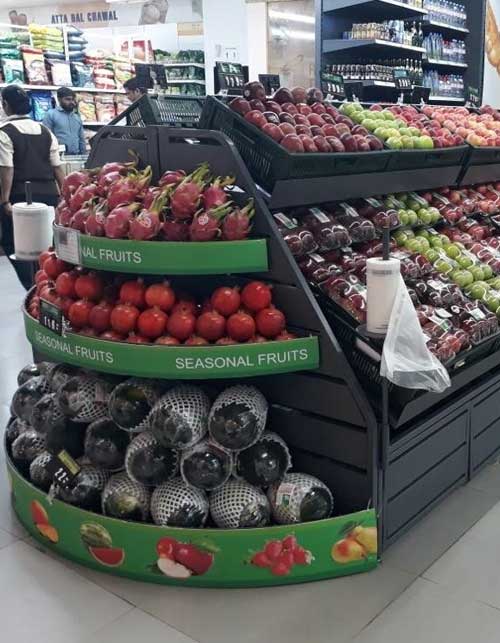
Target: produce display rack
[(422, 445), (160, 109), (317, 407)]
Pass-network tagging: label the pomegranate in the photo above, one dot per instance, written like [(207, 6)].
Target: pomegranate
[(53, 266), (89, 286), (124, 318), (195, 340), (100, 316), (181, 325), (175, 229), (214, 195), (117, 222), (41, 276), (225, 341), (78, 313), (128, 188), (285, 336), (167, 340), (43, 256), (160, 295), (257, 339), (65, 284), (138, 339), (256, 295), (226, 300), (133, 292), (88, 332), (185, 304), (152, 323), (211, 326), (270, 322), (187, 195), (236, 224), (241, 326), (112, 336)]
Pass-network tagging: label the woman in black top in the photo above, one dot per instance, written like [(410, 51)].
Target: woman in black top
[(28, 152)]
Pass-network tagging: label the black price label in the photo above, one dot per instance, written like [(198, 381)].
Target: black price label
[(473, 97), (333, 84), (63, 469), (51, 317), (401, 79), (271, 82)]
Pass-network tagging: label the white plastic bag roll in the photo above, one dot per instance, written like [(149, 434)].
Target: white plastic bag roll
[(382, 279), (32, 229)]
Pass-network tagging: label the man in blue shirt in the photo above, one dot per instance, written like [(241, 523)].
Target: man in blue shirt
[(65, 122)]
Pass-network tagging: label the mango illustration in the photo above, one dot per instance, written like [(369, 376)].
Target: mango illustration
[(347, 550), (38, 513), (49, 532), (367, 537)]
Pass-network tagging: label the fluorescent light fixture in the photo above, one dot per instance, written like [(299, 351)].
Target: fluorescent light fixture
[(292, 17), (293, 35)]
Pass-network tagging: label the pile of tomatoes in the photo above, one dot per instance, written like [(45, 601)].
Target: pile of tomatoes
[(118, 308)]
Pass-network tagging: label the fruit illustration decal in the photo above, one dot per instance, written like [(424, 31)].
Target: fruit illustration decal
[(42, 522), (280, 556), (358, 543), (97, 540), (182, 560)]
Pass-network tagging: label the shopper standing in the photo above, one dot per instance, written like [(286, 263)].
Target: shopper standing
[(65, 122), (133, 89), (28, 152)]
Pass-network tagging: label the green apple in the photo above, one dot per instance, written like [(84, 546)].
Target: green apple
[(424, 245), (464, 262), (403, 217), (494, 283), (425, 143), (413, 217), (459, 277), (413, 245), (443, 266), (407, 142), (436, 242), (414, 131), (469, 278), (436, 215), (477, 291), (487, 271), (452, 251), (492, 302), (369, 124), (413, 204), (389, 116), (425, 216), (381, 132), (358, 117), (400, 123), (423, 233), (405, 131), (394, 132), (402, 196), (431, 255), (477, 273), (401, 237), (394, 143)]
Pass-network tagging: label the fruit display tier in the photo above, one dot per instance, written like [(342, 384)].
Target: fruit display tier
[(299, 375), (291, 175)]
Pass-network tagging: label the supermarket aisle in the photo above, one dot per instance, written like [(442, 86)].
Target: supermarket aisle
[(441, 583)]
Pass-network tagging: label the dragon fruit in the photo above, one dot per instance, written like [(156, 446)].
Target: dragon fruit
[(172, 178), (147, 224), (63, 213), (72, 182), (149, 196), (78, 220), (117, 222), (121, 168), (186, 197), (81, 196), (206, 224), (175, 229), (214, 195), (106, 181), (95, 222), (236, 225), (128, 188)]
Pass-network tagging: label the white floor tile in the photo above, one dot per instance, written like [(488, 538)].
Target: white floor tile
[(437, 532), (425, 613), (488, 480), (8, 520), (6, 539), (328, 611), (41, 600), (137, 626), (471, 567)]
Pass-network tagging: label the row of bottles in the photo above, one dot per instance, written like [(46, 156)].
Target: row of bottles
[(400, 31), (449, 85), (450, 13), (440, 49), (381, 70)]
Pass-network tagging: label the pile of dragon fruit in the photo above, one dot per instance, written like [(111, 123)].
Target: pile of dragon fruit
[(119, 202)]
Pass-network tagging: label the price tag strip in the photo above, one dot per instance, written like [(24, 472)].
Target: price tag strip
[(63, 469), (67, 243)]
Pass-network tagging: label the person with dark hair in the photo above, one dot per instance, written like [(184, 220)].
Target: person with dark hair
[(133, 89), (65, 122), (28, 152)]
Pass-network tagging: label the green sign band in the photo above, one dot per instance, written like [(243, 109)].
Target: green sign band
[(200, 557), (175, 362), (164, 257)]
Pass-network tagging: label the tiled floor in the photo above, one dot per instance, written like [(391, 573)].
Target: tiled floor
[(440, 583)]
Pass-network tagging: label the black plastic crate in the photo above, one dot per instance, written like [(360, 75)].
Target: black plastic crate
[(269, 162), (153, 109), (439, 157)]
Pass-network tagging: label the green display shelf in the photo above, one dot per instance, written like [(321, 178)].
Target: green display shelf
[(175, 362), (219, 557), (161, 257)]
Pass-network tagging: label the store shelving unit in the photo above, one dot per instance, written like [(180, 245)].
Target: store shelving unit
[(427, 445), (374, 9), (373, 45), (434, 62)]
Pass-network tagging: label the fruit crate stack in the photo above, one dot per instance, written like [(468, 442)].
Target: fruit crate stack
[(183, 456)]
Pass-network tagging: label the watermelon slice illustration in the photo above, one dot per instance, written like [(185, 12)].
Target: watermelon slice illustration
[(108, 556)]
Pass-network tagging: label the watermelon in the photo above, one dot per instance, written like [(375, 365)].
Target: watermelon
[(108, 556)]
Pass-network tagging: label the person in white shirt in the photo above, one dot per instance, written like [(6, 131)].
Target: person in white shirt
[(28, 152)]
